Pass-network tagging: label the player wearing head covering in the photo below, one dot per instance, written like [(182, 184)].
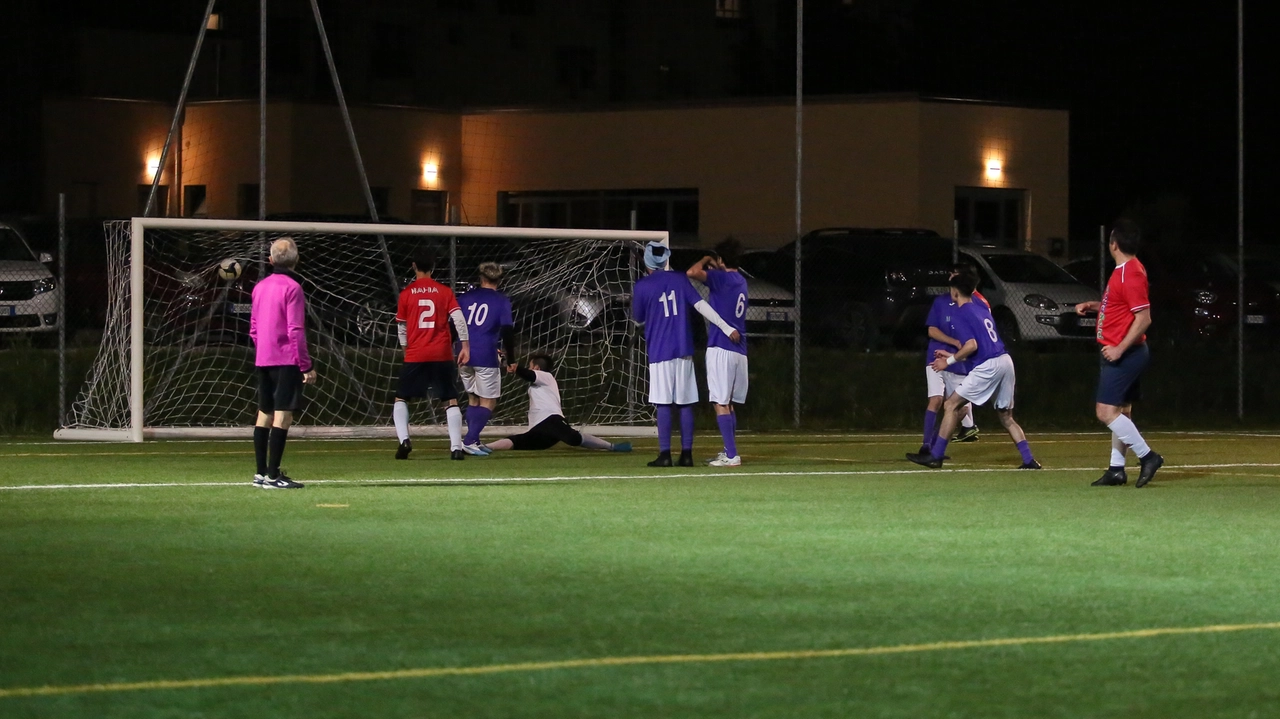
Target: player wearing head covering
[(991, 378), (726, 360), (663, 301), (277, 326), (1124, 315), (547, 425), (425, 309), (488, 314)]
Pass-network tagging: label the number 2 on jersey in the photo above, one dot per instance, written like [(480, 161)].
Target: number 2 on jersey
[(674, 309), (424, 317)]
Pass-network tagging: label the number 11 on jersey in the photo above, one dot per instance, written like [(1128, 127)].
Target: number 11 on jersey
[(673, 309)]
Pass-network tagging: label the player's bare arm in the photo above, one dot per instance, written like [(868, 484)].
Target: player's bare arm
[(699, 269), (1141, 323), (943, 337), (1086, 307)]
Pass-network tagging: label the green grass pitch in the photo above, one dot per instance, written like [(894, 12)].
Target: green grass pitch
[(576, 584)]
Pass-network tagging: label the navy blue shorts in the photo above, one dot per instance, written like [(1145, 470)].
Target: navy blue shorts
[(1120, 382), (437, 380)]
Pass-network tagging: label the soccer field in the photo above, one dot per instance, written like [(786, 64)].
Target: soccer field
[(827, 577)]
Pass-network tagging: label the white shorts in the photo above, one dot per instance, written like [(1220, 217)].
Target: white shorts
[(673, 382), (483, 382), (993, 378), (726, 376), (941, 384)]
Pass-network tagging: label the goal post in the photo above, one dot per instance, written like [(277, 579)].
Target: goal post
[(176, 361)]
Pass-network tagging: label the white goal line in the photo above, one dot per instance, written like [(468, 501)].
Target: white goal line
[(310, 432)]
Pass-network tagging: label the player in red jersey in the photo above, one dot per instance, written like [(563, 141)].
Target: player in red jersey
[(1124, 314), (426, 307)]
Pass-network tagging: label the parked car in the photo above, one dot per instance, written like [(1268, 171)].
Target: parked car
[(861, 285), (1031, 297), (770, 308), (30, 298)]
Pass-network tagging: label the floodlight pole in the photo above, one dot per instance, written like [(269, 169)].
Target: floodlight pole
[(355, 146), (177, 113), (797, 311), (1241, 307)]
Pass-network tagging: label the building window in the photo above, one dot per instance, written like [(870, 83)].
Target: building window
[(381, 200), (427, 207), (247, 200), (162, 200), (729, 9), (991, 216), (195, 201), (675, 211)]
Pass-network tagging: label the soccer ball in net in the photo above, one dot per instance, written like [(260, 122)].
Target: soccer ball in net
[(229, 270)]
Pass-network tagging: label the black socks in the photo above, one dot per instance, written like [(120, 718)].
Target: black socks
[(260, 435), (275, 445)]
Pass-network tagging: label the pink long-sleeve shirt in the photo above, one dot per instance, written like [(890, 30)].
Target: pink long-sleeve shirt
[(277, 325)]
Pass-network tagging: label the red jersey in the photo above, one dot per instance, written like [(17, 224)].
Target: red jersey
[(978, 296), (424, 308), (1126, 294)]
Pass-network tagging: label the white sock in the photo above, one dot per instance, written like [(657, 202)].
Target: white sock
[(593, 442), (966, 419), (1117, 451), (1125, 430), (453, 416), (401, 415)]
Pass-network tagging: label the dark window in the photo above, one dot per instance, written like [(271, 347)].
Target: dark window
[(675, 211), (584, 214), (195, 201), (247, 200), (392, 51), (684, 217), (991, 215), (162, 200), (728, 9), (428, 207), (381, 199)]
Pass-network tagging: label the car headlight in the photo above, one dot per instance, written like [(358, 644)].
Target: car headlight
[(1205, 297), (1040, 302), (42, 285)]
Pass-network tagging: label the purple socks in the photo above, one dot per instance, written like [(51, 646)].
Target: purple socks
[(930, 427), (1025, 450), (939, 447), (477, 418), (686, 427), (728, 425), (664, 428)]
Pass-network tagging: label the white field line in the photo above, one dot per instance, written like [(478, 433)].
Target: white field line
[(587, 477)]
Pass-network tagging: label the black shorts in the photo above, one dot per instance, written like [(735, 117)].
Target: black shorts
[(545, 435), (279, 389), (437, 380), (1120, 382)]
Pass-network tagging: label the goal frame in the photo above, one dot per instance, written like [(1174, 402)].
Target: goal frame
[(137, 431)]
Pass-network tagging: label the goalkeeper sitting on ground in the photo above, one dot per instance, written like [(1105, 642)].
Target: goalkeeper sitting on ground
[(547, 425)]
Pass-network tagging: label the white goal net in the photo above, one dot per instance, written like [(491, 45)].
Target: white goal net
[(176, 359)]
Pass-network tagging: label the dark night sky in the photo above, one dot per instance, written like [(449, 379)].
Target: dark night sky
[(1151, 86)]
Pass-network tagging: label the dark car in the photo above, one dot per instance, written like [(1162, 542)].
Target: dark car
[(862, 286)]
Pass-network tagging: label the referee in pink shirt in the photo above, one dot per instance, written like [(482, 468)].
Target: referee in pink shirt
[(277, 327)]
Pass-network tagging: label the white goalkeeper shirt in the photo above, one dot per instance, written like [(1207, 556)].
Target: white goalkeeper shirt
[(544, 397)]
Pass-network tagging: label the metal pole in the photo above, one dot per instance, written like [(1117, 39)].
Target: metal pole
[(1240, 207), (1102, 259), (355, 146), (798, 312), (62, 309), (262, 110), (177, 113)]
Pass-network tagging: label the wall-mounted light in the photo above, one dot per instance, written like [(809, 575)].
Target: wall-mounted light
[(995, 168), (430, 172), (215, 22), (153, 166)]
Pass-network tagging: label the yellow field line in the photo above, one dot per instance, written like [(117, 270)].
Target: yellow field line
[(658, 659)]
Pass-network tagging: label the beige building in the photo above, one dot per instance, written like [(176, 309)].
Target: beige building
[(702, 171)]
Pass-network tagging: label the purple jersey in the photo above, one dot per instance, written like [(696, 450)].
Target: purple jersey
[(943, 316), (973, 321), (663, 302), (487, 312), (728, 297)]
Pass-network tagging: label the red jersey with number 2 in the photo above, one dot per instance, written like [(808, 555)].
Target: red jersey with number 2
[(424, 309), (1126, 294)]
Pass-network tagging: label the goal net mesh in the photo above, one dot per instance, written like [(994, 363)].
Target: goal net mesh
[(570, 298)]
